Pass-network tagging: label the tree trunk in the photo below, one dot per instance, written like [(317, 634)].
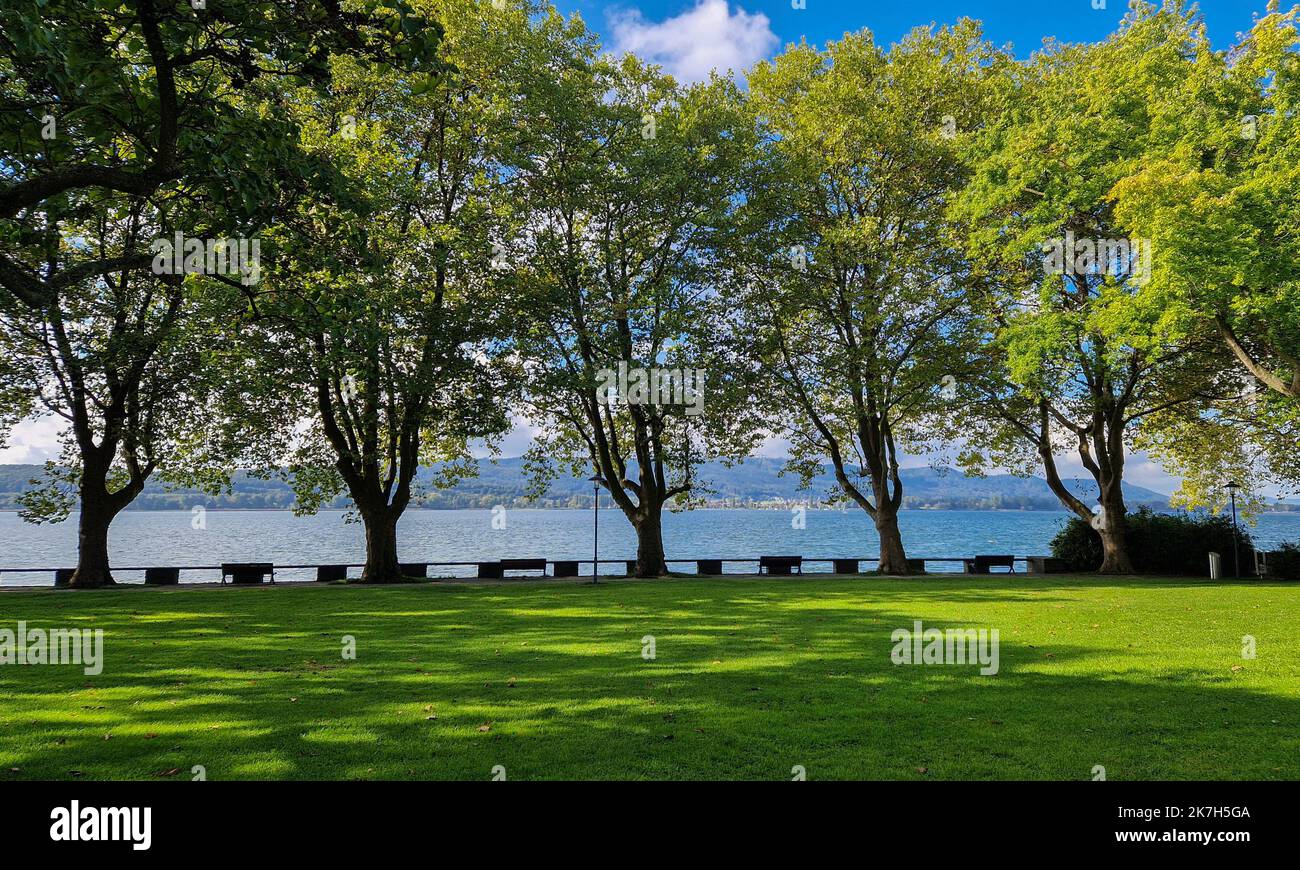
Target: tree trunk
[(893, 559), (92, 541), (1111, 527), (381, 548), (650, 546)]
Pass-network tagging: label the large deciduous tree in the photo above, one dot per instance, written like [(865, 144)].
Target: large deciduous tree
[(123, 122), (854, 283), (127, 362), (374, 328), (628, 181), (1078, 358)]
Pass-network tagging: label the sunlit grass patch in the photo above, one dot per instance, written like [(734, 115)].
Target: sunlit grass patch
[(748, 679)]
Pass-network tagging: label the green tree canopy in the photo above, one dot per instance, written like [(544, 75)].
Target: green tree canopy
[(854, 283), (627, 181), (1079, 357)]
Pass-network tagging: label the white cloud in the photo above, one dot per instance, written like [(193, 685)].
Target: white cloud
[(513, 443), (707, 37), (33, 441)]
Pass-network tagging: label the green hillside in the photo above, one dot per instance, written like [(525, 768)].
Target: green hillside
[(757, 481)]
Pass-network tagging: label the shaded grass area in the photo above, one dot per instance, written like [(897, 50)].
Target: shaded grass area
[(751, 677)]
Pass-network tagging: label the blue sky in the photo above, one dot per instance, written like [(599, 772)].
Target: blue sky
[(691, 36)]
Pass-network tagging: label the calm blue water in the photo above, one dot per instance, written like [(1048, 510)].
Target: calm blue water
[(143, 538)]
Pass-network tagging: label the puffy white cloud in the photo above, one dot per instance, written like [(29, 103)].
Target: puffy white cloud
[(33, 441), (706, 37)]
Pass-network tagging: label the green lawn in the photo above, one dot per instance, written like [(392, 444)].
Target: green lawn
[(752, 677)]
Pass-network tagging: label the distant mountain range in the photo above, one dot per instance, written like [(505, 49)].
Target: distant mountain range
[(756, 482)]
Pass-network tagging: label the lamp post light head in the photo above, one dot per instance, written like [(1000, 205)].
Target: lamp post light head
[(1233, 486)]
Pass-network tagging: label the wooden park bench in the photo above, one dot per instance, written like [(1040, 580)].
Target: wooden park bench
[(780, 564), (983, 564), (244, 573), (708, 567), (162, 576), (497, 570), (331, 573), (523, 565), (414, 569)]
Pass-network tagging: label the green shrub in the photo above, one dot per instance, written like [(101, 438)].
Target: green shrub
[(1078, 546), (1284, 563), (1160, 544)]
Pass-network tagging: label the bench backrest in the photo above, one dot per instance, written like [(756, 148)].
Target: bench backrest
[(780, 560), (523, 564), (247, 567), (1000, 561)]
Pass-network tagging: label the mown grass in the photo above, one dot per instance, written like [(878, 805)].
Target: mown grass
[(751, 677)]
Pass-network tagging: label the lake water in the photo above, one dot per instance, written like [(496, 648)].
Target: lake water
[(147, 538)]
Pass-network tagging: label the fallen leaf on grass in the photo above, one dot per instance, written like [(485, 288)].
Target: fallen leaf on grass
[(486, 726), (172, 772)]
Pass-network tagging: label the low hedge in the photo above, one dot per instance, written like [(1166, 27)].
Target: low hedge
[(1284, 563), (1177, 544)]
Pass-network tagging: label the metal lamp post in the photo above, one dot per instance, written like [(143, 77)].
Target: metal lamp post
[(596, 481), (1233, 486)]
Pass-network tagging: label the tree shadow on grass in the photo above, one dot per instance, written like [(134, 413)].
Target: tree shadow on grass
[(550, 682)]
